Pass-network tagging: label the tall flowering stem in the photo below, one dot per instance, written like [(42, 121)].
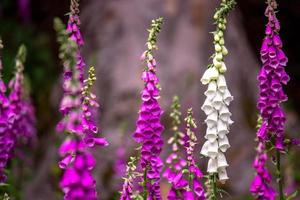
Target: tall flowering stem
[(175, 162), (217, 101), (24, 122), (17, 118), (148, 127), (261, 185), (128, 186), (78, 107), (6, 140), (271, 78)]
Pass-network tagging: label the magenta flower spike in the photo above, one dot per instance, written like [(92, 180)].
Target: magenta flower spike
[(6, 141), (182, 172), (17, 117), (176, 161), (148, 126), (78, 107), (271, 78), (23, 127)]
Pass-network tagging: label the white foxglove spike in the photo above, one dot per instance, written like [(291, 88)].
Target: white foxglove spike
[(211, 134), (222, 174), (221, 83), (222, 129), (227, 97), (223, 144), (222, 162), (212, 119), (212, 166), (211, 90), (217, 101), (207, 106), (210, 74), (224, 113), (223, 68), (212, 149)]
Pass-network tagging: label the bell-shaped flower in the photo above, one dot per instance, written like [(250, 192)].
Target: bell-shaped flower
[(212, 119), (222, 174), (222, 162), (224, 113), (210, 74), (221, 82), (222, 128), (227, 97), (212, 166), (217, 101), (207, 106), (210, 93), (223, 144), (211, 134)]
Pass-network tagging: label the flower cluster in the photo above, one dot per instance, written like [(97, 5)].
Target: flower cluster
[(217, 100), (189, 179), (73, 28), (78, 107), (6, 141), (175, 161), (24, 118), (271, 77), (261, 185), (149, 128), (17, 119), (127, 190)]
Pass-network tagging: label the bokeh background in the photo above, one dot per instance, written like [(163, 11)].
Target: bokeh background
[(115, 33)]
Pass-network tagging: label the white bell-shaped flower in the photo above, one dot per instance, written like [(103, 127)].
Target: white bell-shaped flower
[(204, 150), (221, 83), (212, 149), (211, 134), (212, 166), (222, 174), (222, 128), (223, 144), (224, 113), (210, 74), (212, 119), (222, 162), (217, 101), (227, 97), (207, 106), (223, 68), (211, 90)]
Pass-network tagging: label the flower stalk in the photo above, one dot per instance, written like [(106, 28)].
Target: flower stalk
[(217, 101), (148, 127)]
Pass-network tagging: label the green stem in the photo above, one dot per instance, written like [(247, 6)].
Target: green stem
[(279, 175), (213, 183), (145, 194)]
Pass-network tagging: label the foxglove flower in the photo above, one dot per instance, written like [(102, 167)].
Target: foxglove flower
[(148, 127), (23, 127), (271, 78), (191, 174), (78, 107), (175, 162), (218, 98), (128, 186), (261, 185), (6, 141)]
